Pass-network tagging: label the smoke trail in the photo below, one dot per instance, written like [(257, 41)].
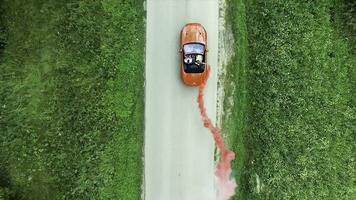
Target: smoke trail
[(226, 185)]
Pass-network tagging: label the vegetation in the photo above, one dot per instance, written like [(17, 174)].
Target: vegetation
[(71, 99), (235, 87), (294, 131)]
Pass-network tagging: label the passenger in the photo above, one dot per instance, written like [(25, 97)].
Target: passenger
[(199, 59)]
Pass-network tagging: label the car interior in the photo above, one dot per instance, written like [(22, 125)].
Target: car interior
[(194, 63)]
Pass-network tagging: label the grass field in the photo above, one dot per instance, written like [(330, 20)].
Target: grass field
[(293, 117), (71, 99)]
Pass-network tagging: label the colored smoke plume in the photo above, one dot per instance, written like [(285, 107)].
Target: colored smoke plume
[(226, 184)]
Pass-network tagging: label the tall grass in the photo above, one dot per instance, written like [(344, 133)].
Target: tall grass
[(71, 87), (299, 138)]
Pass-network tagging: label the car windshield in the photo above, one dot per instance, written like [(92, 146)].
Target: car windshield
[(194, 48)]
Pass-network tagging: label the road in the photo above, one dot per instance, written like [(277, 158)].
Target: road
[(179, 151)]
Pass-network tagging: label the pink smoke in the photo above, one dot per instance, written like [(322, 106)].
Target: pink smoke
[(226, 185)]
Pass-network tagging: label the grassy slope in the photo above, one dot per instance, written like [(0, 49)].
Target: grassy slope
[(235, 86), (71, 85), (300, 107)]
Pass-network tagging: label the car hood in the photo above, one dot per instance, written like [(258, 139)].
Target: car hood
[(194, 33)]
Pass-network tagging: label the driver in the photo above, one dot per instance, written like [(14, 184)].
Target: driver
[(188, 59)]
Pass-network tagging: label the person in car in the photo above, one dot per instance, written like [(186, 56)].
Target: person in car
[(188, 59), (199, 59)]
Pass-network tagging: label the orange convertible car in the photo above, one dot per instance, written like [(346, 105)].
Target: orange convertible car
[(193, 54)]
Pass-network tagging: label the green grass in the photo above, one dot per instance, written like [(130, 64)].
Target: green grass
[(71, 99), (294, 129), (235, 86)]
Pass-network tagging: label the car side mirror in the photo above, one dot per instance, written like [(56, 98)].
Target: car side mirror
[(207, 50), (180, 50)]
